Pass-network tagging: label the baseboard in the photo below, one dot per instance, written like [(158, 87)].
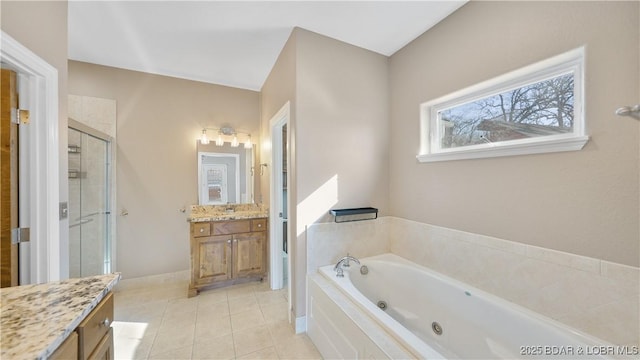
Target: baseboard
[(178, 277), (301, 325)]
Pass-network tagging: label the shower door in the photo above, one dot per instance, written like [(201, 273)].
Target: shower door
[(89, 205)]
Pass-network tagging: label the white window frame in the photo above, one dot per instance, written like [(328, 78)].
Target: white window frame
[(431, 133)]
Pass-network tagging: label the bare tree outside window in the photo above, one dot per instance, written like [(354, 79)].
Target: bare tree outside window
[(535, 109), (540, 109)]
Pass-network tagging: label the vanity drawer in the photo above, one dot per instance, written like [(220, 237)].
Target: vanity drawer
[(95, 326), (231, 227), (259, 225), (68, 349), (201, 229)]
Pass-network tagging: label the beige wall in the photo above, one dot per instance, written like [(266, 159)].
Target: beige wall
[(584, 202), (278, 89), (158, 121), (338, 130), (341, 134), (41, 26)]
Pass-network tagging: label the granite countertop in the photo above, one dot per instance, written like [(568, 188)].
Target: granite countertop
[(36, 319), (204, 213)]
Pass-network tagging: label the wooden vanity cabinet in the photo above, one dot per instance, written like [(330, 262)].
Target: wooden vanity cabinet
[(68, 350), (227, 252), (93, 338), (95, 335)]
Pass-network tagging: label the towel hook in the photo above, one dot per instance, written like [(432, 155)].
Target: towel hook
[(631, 111)]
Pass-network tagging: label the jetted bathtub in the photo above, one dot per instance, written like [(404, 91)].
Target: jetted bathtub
[(433, 316)]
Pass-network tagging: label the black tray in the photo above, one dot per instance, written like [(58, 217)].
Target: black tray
[(339, 213)]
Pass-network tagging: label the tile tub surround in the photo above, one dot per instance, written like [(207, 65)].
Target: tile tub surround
[(328, 242), (595, 296), (36, 319), (204, 213)]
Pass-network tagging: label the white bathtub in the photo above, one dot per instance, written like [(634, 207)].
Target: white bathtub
[(474, 324)]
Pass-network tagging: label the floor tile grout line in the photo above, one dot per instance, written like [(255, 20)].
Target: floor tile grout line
[(155, 336), (233, 339)]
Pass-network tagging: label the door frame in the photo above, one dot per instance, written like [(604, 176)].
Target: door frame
[(44, 156), (276, 123)]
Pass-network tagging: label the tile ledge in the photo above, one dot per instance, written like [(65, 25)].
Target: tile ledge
[(588, 264)]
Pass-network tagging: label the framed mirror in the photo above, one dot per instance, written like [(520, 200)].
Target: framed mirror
[(225, 174)]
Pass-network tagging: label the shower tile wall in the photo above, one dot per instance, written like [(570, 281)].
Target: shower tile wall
[(97, 113), (595, 296)]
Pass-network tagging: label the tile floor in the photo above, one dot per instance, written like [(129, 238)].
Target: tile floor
[(246, 321)]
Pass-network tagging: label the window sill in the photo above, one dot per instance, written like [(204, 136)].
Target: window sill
[(506, 149)]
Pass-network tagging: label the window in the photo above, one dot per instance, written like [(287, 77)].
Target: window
[(218, 178), (216, 183), (535, 109)]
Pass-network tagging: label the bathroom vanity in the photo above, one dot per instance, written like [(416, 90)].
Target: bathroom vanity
[(68, 319), (228, 245)]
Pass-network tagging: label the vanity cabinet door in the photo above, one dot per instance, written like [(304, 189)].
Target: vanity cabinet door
[(104, 350), (249, 254), (214, 259)]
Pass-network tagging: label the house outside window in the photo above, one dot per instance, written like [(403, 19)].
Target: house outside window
[(535, 109)]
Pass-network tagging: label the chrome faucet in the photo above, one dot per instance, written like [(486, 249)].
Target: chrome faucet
[(344, 262)]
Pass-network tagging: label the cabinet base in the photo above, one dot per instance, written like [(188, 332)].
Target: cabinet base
[(194, 289)]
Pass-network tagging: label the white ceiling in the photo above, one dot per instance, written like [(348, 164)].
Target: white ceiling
[(234, 43)]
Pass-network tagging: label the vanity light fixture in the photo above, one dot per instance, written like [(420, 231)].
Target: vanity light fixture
[(219, 140), (204, 139), (226, 133)]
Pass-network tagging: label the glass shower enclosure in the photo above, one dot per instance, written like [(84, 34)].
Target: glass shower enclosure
[(90, 219)]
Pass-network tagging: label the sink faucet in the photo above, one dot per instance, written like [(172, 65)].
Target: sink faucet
[(344, 262)]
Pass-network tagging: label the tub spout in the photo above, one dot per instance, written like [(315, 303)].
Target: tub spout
[(344, 262)]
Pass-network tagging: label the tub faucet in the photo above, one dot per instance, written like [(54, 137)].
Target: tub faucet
[(344, 262)]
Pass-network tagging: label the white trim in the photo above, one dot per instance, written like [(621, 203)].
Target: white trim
[(571, 62), (276, 123), (24, 180), (504, 149), (44, 157), (301, 324)]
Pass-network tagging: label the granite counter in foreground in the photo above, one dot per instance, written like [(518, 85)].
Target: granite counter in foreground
[(36, 319)]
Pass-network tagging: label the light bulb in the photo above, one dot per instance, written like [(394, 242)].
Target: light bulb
[(247, 145), (234, 142), (204, 140), (219, 140)]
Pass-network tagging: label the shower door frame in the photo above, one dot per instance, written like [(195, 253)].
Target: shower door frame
[(111, 183)]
